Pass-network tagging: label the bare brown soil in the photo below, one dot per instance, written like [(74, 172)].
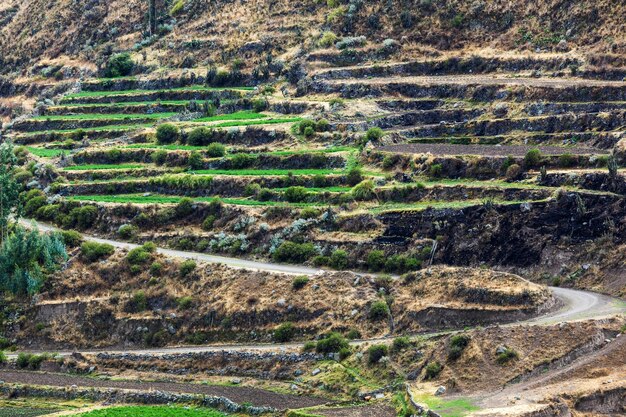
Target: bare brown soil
[(239, 395), (486, 150), (365, 411)]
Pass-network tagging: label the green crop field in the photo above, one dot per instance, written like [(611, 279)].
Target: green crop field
[(45, 153), (196, 88), (24, 412), (135, 103), (91, 129), (164, 199), (153, 411), (245, 172), (98, 116), (240, 115), (97, 167)]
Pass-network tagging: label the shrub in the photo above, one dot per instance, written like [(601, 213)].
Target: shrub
[(374, 134), (296, 194), (137, 303), (355, 176), (344, 353), (339, 259), (513, 172), (379, 310), (242, 160), (400, 343), (216, 150), (364, 190), (71, 238), (294, 252), (156, 269), (284, 332), (328, 39), (309, 132), (332, 343), (184, 303), (376, 352), (433, 369), (567, 160), (159, 157), (304, 124), (138, 256), (83, 217), (406, 18), (506, 356), (195, 161), (3, 358), (309, 213), (127, 231), (533, 158), (208, 222), (353, 334), (309, 346), (167, 133), (458, 343), (199, 136), (119, 65), (435, 170), (322, 125), (376, 260), (184, 207), (23, 360), (187, 267), (320, 260), (93, 251), (299, 282)]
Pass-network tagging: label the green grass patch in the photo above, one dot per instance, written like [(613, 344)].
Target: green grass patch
[(258, 122), (91, 129), (25, 412), (83, 94), (135, 103), (457, 407), (153, 411), (419, 206), (99, 116), (240, 115), (251, 172), (45, 153), (165, 199), (100, 167)]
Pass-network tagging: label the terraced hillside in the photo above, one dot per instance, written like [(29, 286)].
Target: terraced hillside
[(408, 198)]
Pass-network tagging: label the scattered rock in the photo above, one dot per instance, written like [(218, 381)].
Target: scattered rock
[(440, 390), (316, 371)]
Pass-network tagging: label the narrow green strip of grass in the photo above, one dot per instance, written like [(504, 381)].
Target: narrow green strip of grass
[(240, 115), (152, 411), (250, 172), (457, 407), (45, 153), (91, 129), (258, 122), (99, 116), (164, 199), (100, 167), (83, 94)]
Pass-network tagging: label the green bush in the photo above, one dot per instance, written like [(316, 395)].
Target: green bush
[(200, 136), (506, 356), (119, 65), (355, 176), (567, 160), (322, 125), (533, 158), (339, 259), (379, 310), (177, 8), (195, 161), (294, 252), (309, 132), (296, 194), (127, 231), (376, 352), (435, 170), (328, 39), (309, 213), (374, 134), (208, 222), (216, 150), (83, 217), (284, 333), (187, 267), (93, 251), (184, 207), (299, 282), (309, 346), (304, 124), (159, 157), (184, 303), (71, 238), (376, 260), (137, 303), (167, 133), (433, 369), (353, 334), (3, 358), (138, 256), (332, 343), (156, 269), (364, 191), (400, 343), (458, 343)]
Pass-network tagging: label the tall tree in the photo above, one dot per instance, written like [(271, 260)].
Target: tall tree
[(9, 188)]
